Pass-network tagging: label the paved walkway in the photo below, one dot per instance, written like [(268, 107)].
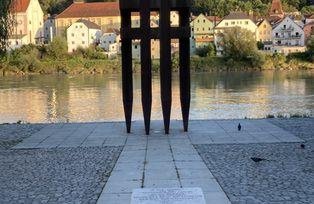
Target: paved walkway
[(158, 161)]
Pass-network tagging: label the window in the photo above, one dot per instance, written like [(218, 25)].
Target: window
[(203, 29), (226, 24), (83, 34), (30, 22), (83, 42), (198, 21), (232, 23), (73, 42), (284, 26), (109, 41), (192, 29), (208, 28), (135, 46), (204, 21), (197, 29), (72, 34), (297, 33)]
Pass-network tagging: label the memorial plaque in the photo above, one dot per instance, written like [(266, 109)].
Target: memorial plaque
[(168, 196)]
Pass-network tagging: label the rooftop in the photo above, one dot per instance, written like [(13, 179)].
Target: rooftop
[(89, 24), (96, 9), (19, 5)]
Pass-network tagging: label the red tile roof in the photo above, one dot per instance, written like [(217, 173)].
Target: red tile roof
[(276, 8), (214, 18), (19, 5), (96, 9)]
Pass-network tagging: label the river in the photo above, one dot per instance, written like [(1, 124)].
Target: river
[(90, 98)]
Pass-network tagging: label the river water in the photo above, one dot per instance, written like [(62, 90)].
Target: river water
[(89, 98)]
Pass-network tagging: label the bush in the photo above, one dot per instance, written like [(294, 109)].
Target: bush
[(57, 49), (207, 51)]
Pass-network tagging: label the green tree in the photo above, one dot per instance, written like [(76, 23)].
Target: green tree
[(308, 10), (207, 51), (239, 43), (57, 49), (310, 48), (6, 24)]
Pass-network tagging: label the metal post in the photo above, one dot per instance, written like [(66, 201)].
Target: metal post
[(127, 78), (146, 75), (165, 63), (184, 52)]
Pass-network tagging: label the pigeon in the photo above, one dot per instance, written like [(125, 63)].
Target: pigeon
[(302, 146), (256, 159), (239, 127)]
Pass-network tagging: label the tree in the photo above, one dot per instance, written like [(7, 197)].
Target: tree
[(57, 49), (207, 51), (6, 24), (238, 44), (310, 48)]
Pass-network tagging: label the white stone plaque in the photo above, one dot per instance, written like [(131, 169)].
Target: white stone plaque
[(168, 196)]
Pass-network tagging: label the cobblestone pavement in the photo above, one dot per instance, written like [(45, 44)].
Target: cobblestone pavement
[(287, 176), (61, 175), (11, 134)]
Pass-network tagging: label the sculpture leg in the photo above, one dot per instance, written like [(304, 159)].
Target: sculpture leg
[(165, 63), (184, 52), (146, 75), (127, 78)]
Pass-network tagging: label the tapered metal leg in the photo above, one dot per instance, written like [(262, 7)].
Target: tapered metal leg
[(127, 78), (165, 63), (184, 52), (146, 75)]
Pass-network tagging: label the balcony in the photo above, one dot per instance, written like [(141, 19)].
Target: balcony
[(290, 29), (291, 37)]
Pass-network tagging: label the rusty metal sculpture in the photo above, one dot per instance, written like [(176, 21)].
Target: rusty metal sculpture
[(165, 33)]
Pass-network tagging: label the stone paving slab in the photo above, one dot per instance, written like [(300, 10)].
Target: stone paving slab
[(163, 163), (113, 134)]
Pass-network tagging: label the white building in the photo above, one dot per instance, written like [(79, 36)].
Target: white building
[(234, 19), (110, 42), (83, 33), (288, 37), (28, 29), (49, 29)]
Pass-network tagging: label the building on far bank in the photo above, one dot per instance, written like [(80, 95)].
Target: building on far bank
[(308, 30), (264, 31), (202, 30), (288, 37), (110, 42), (276, 12), (234, 19), (49, 29), (28, 28), (83, 34), (104, 14)]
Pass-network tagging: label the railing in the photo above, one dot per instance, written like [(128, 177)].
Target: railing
[(287, 29), (288, 37)]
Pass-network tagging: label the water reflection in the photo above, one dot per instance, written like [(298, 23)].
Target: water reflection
[(98, 98)]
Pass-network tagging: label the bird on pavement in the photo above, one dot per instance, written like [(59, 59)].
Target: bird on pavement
[(239, 127), (257, 159)]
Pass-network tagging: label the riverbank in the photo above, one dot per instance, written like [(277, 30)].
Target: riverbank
[(79, 174), (78, 66)]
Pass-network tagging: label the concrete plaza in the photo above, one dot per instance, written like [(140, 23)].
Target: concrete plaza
[(158, 160)]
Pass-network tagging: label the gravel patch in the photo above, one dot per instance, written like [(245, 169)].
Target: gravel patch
[(287, 176), (12, 134), (62, 175)]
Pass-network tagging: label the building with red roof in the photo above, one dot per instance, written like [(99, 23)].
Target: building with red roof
[(104, 14), (28, 16)]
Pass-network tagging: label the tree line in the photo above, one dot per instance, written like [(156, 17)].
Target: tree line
[(211, 7)]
